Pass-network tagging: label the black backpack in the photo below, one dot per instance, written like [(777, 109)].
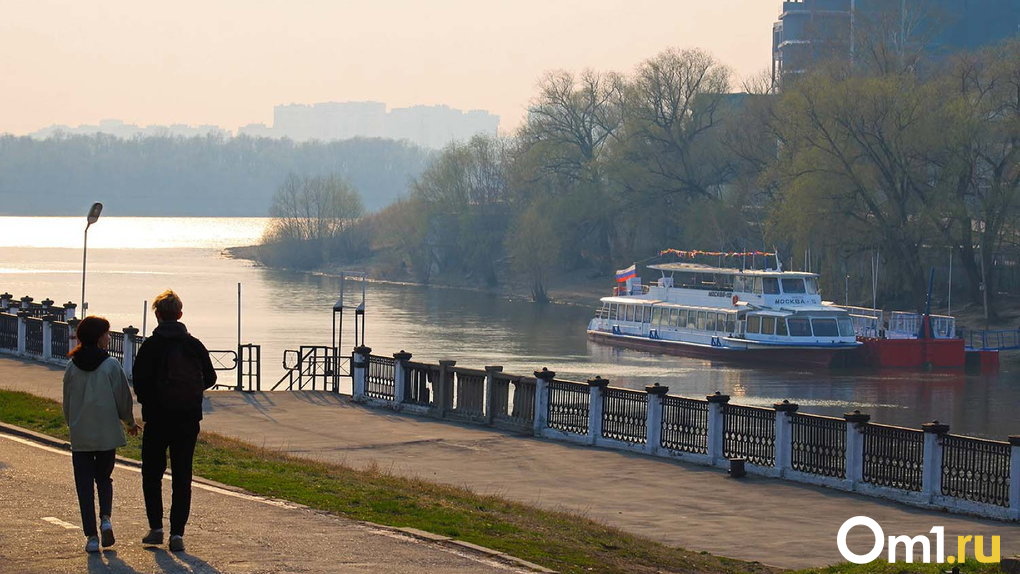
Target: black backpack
[(180, 385)]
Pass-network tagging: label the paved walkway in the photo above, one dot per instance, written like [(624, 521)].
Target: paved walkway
[(698, 508)]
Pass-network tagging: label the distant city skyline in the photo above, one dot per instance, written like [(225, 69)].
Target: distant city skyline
[(227, 63), (426, 126)]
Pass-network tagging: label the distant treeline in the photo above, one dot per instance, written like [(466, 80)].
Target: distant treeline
[(175, 176)]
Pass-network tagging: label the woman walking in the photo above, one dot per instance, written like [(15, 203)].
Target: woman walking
[(96, 399)]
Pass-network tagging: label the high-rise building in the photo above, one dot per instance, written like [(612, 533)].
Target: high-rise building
[(812, 31)]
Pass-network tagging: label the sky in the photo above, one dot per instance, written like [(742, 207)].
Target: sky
[(228, 62)]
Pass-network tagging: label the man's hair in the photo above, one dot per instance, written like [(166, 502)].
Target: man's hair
[(167, 305)]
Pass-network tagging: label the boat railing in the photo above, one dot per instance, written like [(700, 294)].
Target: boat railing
[(904, 325)]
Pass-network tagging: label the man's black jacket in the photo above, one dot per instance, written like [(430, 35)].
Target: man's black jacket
[(151, 361)]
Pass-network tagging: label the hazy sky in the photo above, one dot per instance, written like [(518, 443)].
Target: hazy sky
[(228, 62)]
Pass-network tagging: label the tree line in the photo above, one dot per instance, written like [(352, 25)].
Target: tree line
[(194, 176), (890, 158)]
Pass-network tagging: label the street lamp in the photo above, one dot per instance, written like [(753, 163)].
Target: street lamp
[(93, 217)]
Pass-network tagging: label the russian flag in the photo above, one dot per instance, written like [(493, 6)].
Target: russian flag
[(625, 274)]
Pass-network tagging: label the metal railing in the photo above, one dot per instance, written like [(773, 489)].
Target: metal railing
[(750, 433), (893, 457), (976, 469), (818, 445)]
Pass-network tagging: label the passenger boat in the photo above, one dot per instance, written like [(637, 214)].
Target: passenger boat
[(763, 316)]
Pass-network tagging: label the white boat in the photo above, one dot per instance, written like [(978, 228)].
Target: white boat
[(763, 316)]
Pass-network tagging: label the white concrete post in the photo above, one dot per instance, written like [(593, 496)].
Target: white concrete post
[(130, 333), (359, 365), (855, 423), (542, 380), (595, 388), (47, 305), (5, 302), (400, 376), (490, 393), (72, 333), (22, 331), (653, 430), (444, 391), (784, 436), (1014, 476), (26, 303), (716, 427), (47, 337), (931, 469), (69, 308)]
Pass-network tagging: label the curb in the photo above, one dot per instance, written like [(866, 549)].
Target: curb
[(7, 428)]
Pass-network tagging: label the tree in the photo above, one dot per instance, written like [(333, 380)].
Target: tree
[(310, 218)]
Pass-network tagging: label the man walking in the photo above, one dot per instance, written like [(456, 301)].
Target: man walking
[(170, 373)]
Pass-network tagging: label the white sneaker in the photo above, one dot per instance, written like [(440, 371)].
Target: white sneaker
[(106, 532), (92, 544)]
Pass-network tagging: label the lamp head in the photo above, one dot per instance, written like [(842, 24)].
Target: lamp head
[(94, 212)]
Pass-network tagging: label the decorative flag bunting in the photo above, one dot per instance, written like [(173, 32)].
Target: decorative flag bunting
[(625, 274), (694, 253)]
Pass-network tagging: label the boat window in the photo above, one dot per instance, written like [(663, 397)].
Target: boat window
[(692, 319), (846, 327), (702, 321), (628, 313), (656, 315), (770, 285), (674, 317), (781, 327), (768, 325), (812, 285), (793, 285), (647, 315), (757, 285), (731, 324), (824, 327), (710, 325), (799, 326), (753, 323)]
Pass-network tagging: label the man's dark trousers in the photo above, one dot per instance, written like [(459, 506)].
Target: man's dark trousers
[(179, 437)]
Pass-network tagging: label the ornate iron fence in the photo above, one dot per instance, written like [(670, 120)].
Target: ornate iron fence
[(380, 377), (34, 335), (421, 381), (59, 339), (975, 469), (569, 404), (624, 415), (116, 348), (893, 456), (750, 433), (8, 331), (818, 445), (684, 424)]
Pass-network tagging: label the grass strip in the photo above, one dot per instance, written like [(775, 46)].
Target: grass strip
[(564, 542)]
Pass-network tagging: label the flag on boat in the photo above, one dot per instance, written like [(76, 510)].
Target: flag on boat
[(625, 274)]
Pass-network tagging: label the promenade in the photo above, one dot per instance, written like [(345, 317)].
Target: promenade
[(702, 509)]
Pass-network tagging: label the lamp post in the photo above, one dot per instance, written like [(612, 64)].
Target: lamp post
[(93, 217)]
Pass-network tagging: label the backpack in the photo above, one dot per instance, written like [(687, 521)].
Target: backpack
[(180, 386)]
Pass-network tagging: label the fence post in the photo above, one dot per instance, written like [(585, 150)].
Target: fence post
[(359, 366), (653, 424), (716, 426), (47, 337), (542, 380), (22, 331), (855, 423), (490, 393), (931, 469), (444, 394), (69, 308), (1014, 475), (130, 332), (784, 435), (400, 376), (5, 302), (595, 388), (26, 303), (72, 333)]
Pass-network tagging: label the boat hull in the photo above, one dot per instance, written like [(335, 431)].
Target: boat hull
[(801, 356)]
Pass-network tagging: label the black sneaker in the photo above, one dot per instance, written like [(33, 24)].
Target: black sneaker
[(176, 543), (155, 536)]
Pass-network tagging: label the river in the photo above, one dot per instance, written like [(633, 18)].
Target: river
[(131, 259)]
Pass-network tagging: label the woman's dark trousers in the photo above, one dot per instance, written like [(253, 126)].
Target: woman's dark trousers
[(179, 438), (93, 468)]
